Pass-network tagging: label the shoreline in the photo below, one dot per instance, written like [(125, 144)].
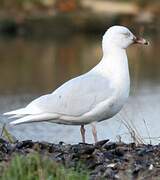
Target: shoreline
[(68, 25), (105, 159)]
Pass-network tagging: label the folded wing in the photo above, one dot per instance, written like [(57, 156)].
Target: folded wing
[(74, 98)]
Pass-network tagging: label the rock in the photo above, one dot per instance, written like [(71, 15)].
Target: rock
[(108, 155), (109, 146), (120, 151), (136, 169), (24, 144), (151, 167), (109, 173), (98, 156), (111, 165), (99, 168), (5, 147), (127, 156), (101, 143), (87, 150)]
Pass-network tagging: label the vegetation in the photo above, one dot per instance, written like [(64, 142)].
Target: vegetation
[(34, 167), (62, 3)]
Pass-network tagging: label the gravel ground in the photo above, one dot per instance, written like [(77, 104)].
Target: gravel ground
[(104, 160)]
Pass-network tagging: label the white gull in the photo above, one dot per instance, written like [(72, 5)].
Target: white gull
[(92, 97)]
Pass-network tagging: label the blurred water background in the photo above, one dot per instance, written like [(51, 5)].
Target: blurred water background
[(37, 55)]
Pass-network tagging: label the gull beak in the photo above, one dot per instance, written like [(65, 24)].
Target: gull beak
[(140, 41)]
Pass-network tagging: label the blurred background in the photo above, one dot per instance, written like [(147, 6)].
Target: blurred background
[(44, 43)]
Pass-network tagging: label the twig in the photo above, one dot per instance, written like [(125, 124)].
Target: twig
[(6, 133), (147, 129)]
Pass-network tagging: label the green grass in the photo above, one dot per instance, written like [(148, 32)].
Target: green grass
[(34, 167)]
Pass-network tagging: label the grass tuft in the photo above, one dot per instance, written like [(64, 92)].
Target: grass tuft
[(34, 167)]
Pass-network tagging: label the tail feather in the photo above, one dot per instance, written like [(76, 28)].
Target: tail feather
[(35, 118)]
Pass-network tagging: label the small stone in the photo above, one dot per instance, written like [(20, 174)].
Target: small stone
[(75, 148), (91, 164), (87, 150), (101, 143), (98, 156), (109, 146), (108, 155), (24, 144), (136, 169), (111, 165), (116, 176), (120, 151), (99, 168), (109, 173), (61, 143), (151, 167)]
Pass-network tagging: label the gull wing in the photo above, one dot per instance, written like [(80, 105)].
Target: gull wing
[(74, 98)]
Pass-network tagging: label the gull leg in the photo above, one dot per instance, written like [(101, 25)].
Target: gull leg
[(82, 129), (94, 132)]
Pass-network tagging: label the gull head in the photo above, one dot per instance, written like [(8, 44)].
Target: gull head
[(120, 37)]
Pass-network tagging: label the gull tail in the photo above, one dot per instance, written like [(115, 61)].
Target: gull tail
[(35, 118)]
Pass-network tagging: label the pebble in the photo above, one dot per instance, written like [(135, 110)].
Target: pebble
[(151, 167)]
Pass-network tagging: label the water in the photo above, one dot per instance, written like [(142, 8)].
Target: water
[(31, 67)]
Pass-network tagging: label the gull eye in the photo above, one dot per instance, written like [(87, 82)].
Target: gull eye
[(127, 34)]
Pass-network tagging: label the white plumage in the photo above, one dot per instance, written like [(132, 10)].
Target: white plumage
[(94, 96)]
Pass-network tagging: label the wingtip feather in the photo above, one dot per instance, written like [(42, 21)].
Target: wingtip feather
[(18, 111), (34, 118)]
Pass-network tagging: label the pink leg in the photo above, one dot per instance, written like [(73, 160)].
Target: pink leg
[(94, 132), (82, 129)]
